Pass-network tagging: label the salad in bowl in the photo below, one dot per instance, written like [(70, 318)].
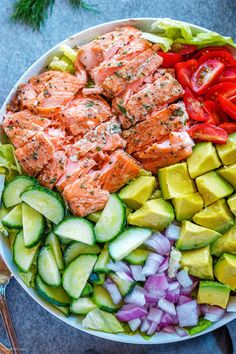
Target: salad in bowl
[(118, 178)]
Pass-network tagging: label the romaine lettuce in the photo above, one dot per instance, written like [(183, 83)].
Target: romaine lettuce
[(8, 162)]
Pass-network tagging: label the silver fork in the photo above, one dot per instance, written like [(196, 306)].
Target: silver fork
[(5, 277)]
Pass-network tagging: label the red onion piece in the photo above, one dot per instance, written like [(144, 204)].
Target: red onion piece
[(172, 232), (188, 290), (183, 299), (188, 313), (184, 279), (231, 307), (166, 320), (119, 267), (136, 297), (169, 329), (155, 315), (152, 264), (173, 295), (125, 276), (127, 314), (156, 283), (113, 291), (214, 313), (167, 306), (174, 262), (158, 243), (181, 331), (152, 328), (134, 324), (137, 273), (145, 324), (164, 266)]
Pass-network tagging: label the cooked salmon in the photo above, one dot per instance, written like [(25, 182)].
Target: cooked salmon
[(57, 136)]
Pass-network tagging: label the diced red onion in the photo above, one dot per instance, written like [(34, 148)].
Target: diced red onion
[(155, 315), (151, 298), (152, 328), (173, 286), (184, 279), (159, 243), (127, 314), (136, 297), (173, 295), (164, 266), (188, 313), (152, 264), (156, 283), (183, 299), (174, 262), (145, 324), (214, 313), (167, 306), (169, 329), (172, 232), (189, 289), (134, 324), (119, 267), (113, 291), (124, 276), (181, 331), (166, 320), (137, 273), (231, 307)]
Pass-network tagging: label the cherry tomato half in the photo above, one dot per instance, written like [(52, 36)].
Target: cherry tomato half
[(170, 59), (216, 114), (224, 57), (184, 71), (228, 127), (194, 106), (228, 106), (228, 89), (208, 132), (229, 74), (206, 74), (183, 49), (205, 50)]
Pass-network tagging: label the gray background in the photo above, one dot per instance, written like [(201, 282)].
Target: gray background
[(37, 330)]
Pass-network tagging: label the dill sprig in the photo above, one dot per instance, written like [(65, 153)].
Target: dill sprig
[(84, 5)]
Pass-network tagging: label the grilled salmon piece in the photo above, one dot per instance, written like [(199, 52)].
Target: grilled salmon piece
[(118, 171), (25, 96), (53, 170), (74, 170), (35, 154), (138, 68), (84, 196), (155, 128), (150, 97), (57, 136), (85, 113)]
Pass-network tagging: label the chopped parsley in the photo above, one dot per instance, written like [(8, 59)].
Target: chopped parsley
[(122, 109)]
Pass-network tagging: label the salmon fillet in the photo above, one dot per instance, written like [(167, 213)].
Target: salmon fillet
[(156, 127), (57, 136)]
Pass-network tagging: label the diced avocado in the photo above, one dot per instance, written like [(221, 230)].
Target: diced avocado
[(135, 194), (225, 243), (227, 152), (232, 203), (225, 270), (203, 159), (175, 181), (212, 187), (156, 214), (193, 236), (213, 293), (228, 173), (187, 205), (216, 216), (198, 262), (156, 194)]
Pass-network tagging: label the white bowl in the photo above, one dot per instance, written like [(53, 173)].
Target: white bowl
[(36, 68)]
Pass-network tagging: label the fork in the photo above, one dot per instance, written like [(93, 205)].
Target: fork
[(5, 277)]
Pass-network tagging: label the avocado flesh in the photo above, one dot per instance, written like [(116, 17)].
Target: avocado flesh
[(156, 214), (229, 174), (175, 181), (216, 216), (203, 159), (227, 152), (213, 293), (212, 187), (187, 205), (135, 194), (232, 203), (193, 236), (198, 262), (225, 270), (225, 243)]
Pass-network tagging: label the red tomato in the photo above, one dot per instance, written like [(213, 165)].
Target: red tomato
[(208, 132), (184, 49), (194, 107), (206, 75), (228, 127), (224, 57), (228, 106), (227, 89), (215, 112), (184, 71), (203, 51), (229, 74), (170, 59)]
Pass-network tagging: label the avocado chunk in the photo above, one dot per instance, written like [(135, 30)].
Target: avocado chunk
[(212, 187), (198, 262), (175, 181), (156, 214), (227, 152), (135, 194), (187, 205), (228, 173), (232, 203), (216, 216), (225, 243), (225, 270), (203, 159), (193, 236), (213, 293)]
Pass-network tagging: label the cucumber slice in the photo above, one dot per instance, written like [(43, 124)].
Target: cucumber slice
[(76, 229), (137, 257), (88, 289), (56, 296), (12, 193), (47, 267), (34, 225), (53, 242), (102, 321), (102, 299), (13, 220), (76, 274), (98, 279), (125, 286), (82, 306), (46, 202), (77, 248), (128, 241), (22, 256), (94, 217), (112, 220), (103, 260), (64, 310)]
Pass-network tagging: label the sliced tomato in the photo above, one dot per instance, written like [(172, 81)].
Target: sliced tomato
[(228, 106), (184, 71), (203, 51), (229, 74), (228, 127), (208, 132), (206, 74), (183, 49), (216, 114), (170, 59), (195, 107), (224, 57), (227, 89)]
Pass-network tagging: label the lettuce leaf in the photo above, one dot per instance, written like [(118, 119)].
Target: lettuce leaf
[(172, 29), (8, 162), (165, 43), (205, 39)]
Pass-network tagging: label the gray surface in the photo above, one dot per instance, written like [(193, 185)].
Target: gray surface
[(37, 330)]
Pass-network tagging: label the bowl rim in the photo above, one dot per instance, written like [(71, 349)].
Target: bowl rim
[(36, 67)]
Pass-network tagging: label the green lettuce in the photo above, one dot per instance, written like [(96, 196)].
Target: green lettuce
[(9, 165)]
